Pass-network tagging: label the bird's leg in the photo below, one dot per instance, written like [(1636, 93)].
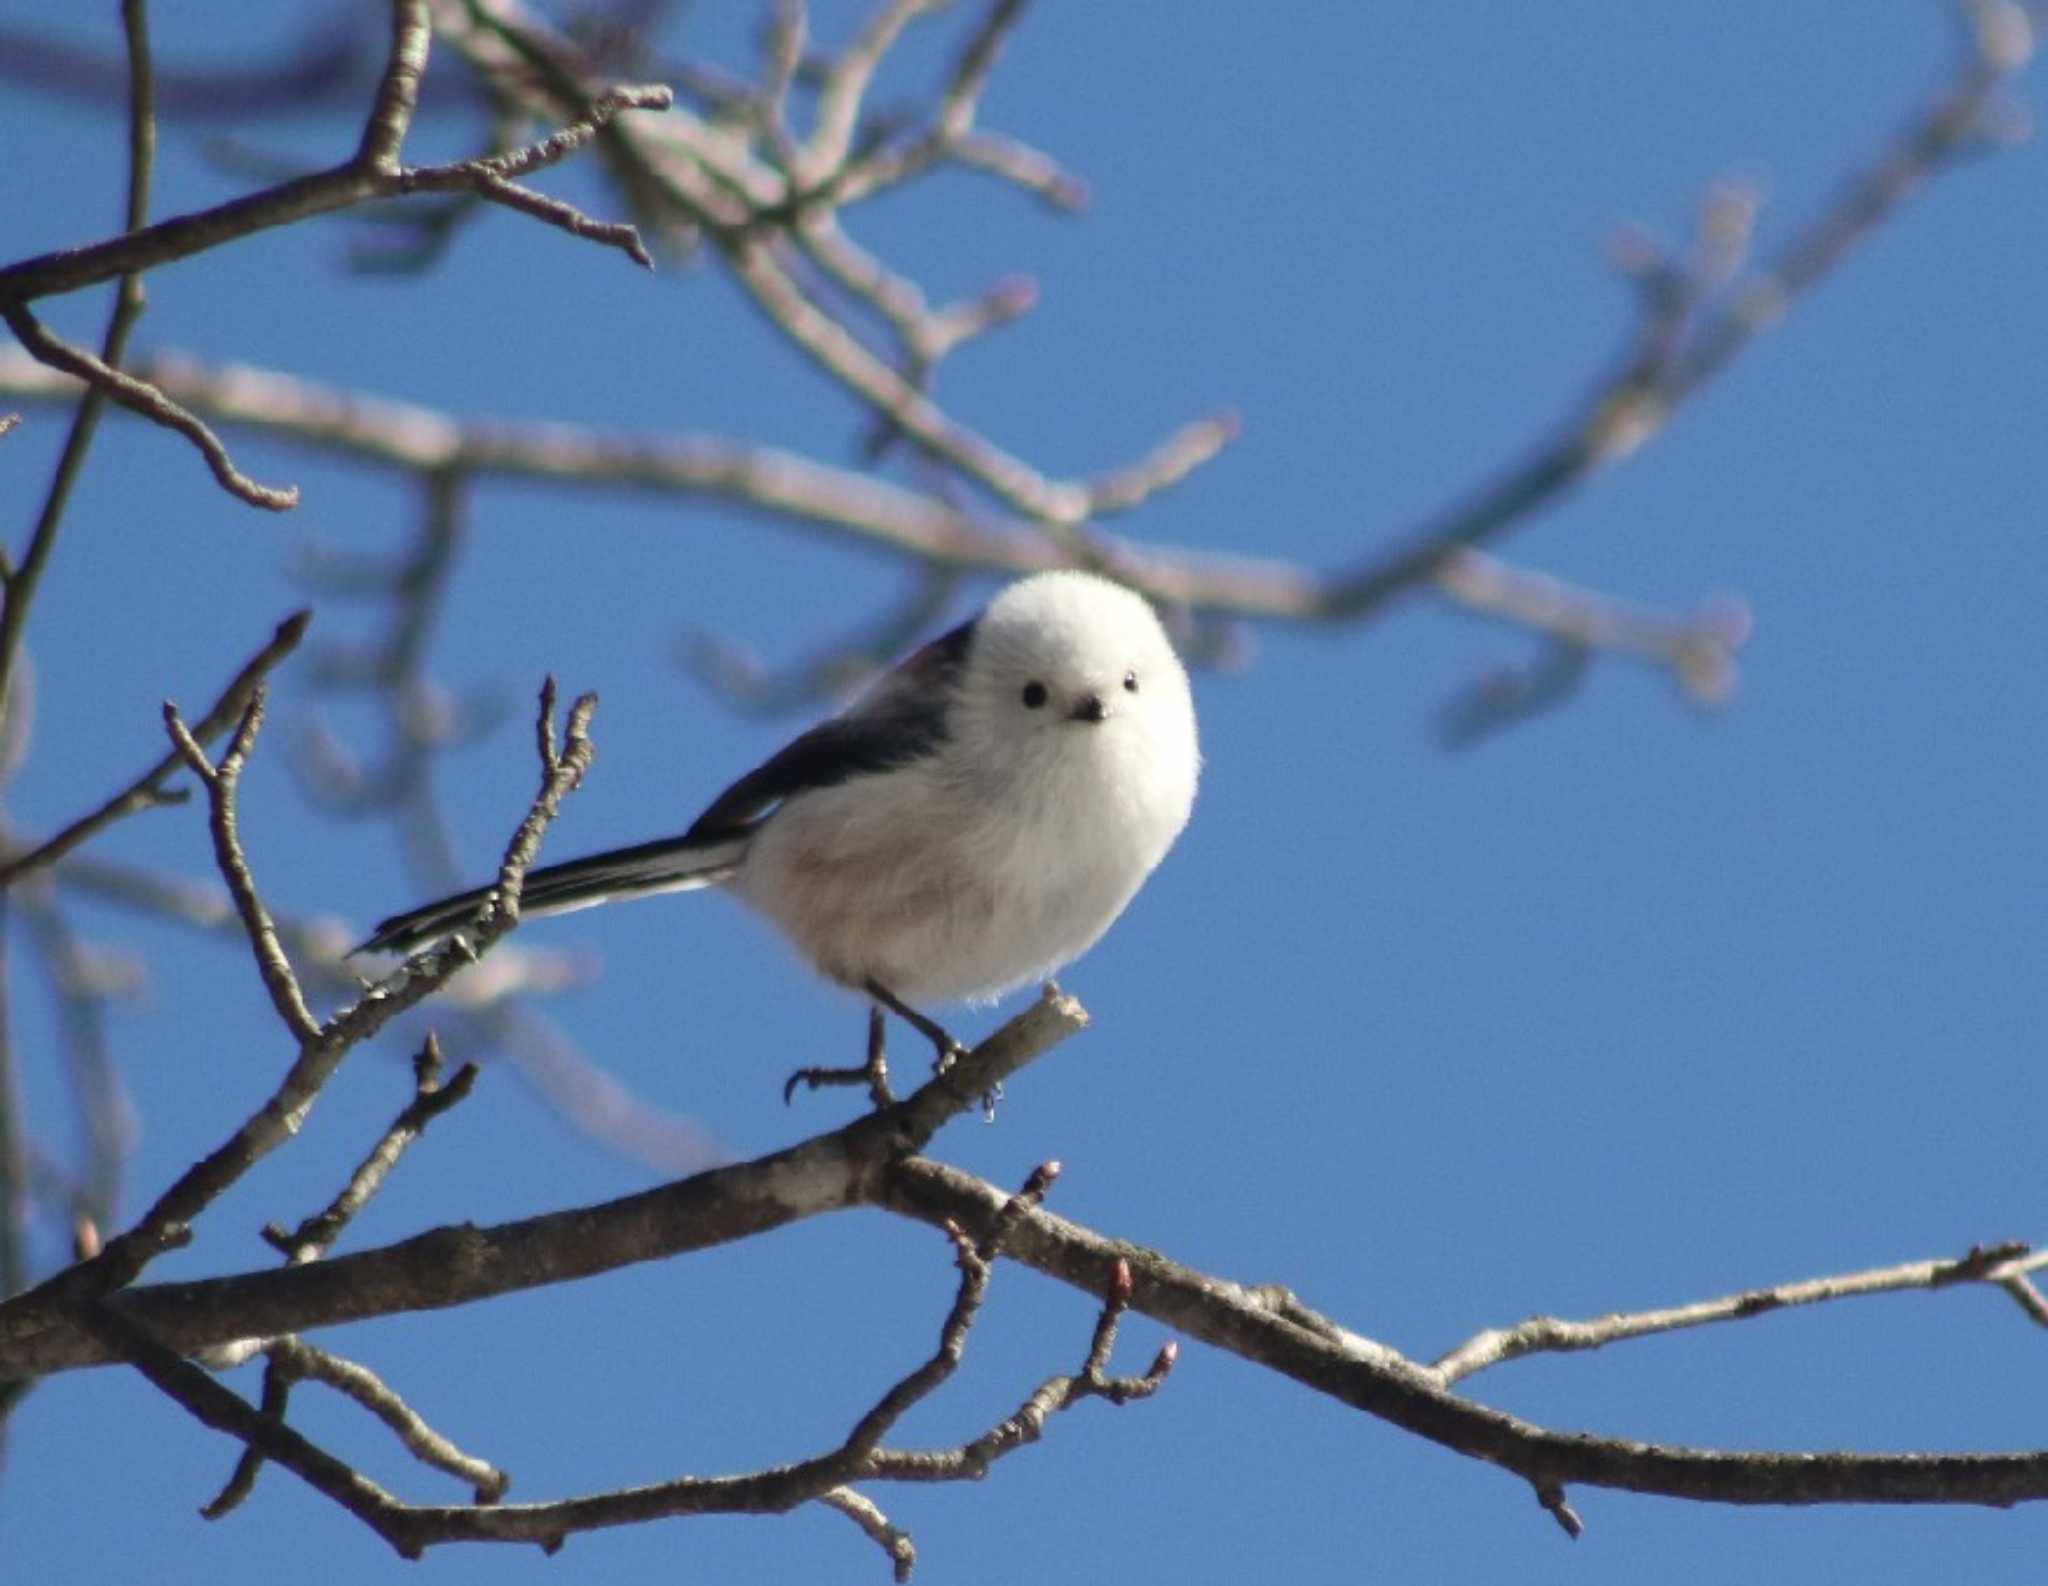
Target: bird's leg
[(949, 1050), (874, 1073)]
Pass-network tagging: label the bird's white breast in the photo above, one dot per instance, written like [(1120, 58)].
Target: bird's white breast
[(944, 885)]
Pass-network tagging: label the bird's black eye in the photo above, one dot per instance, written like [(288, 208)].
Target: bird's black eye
[(1130, 682), (1034, 695)]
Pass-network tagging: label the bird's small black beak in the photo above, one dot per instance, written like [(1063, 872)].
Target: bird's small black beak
[(1089, 707)]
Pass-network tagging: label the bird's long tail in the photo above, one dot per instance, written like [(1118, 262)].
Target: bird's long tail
[(671, 865)]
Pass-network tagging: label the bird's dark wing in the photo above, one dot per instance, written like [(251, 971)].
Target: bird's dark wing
[(902, 719)]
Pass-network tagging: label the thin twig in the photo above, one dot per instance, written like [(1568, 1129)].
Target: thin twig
[(976, 1260), (373, 172), (139, 396), (1165, 466), (290, 1360), (106, 1117), (147, 790), (971, 1460), (788, 33), (221, 783), (493, 177), (846, 87), (321, 1049), (430, 1099), (565, 217), (1637, 402), (300, 1361), (225, 1411), (867, 1514), (14, 1183), (277, 1393), (2002, 1265), (1057, 504), (1698, 650), (20, 583), (1511, 694), (398, 91)]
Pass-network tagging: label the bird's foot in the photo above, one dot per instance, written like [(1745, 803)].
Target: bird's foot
[(874, 1073), (824, 1078)]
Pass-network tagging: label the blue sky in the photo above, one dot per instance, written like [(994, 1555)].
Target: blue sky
[(1627, 1005)]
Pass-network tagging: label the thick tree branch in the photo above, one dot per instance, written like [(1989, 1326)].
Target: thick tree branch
[(1270, 1328), (378, 430), (862, 1164), (453, 1266), (410, 1530)]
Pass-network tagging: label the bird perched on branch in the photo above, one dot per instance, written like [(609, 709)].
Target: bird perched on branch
[(972, 822)]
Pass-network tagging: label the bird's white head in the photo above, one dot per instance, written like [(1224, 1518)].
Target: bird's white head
[(1072, 691)]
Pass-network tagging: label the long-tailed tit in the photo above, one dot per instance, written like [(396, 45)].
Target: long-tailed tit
[(974, 821)]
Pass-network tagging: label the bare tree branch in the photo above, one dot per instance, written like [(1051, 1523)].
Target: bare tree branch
[(138, 396), (107, 1125), (147, 790), (322, 1046), (1704, 330), (833, 1170), (410, 1529), (1271, 1329), (867, 1514), (221, 784), (858, 1164), (290, 1360), (225, 1411), (1999, 1265), (430, 1099), (276, 1399), (372, 173), (492, 177), (18, 587), (300, 1361)]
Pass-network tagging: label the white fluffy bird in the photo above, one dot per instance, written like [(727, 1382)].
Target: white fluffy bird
[(974, 821)]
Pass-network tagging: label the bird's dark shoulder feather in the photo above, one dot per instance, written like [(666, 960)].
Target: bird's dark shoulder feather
[(903, 718)]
